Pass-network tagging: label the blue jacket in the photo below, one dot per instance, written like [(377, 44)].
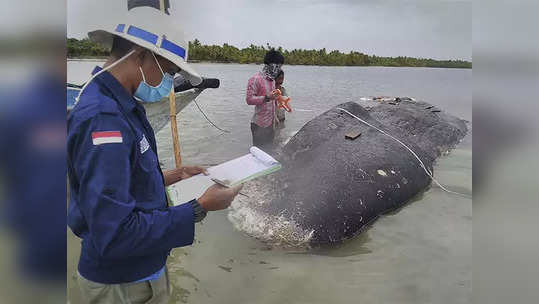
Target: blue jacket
[(118, 205)]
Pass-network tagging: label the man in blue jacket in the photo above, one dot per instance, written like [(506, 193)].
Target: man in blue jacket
[(118, 205)]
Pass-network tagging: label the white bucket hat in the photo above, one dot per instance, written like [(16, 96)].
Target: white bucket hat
[(153, 30)]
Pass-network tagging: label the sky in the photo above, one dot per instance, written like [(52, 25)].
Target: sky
[(428, 29)]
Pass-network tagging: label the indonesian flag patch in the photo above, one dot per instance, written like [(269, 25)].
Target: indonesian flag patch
[(106, 137)]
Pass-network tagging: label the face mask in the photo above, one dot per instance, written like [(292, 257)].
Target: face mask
[(148, 93), (272, 70)]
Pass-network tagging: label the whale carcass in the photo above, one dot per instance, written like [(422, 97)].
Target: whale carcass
[(332, 186)]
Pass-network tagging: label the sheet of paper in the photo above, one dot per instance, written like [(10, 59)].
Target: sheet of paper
[(237, 169), (232, 173), (188, 189)]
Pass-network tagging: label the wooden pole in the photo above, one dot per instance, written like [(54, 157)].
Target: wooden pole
[(162, 6), (174, 130), (173, 122)]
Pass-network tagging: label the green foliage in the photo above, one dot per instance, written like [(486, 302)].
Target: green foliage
[(255, 54), (84, 48)]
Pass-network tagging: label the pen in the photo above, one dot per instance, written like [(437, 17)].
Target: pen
[(219, 182)]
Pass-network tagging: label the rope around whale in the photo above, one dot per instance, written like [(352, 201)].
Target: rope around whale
[(411, 151)]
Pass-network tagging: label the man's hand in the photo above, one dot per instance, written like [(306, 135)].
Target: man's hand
[(187, 172), (271, 96), (218, 197), (175, 175)]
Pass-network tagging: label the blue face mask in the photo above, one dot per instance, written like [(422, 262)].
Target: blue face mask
[(148, 93)]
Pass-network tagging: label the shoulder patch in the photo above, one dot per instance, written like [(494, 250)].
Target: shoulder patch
[(107, 137)]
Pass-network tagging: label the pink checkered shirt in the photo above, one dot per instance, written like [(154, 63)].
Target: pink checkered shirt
[(258, 87)]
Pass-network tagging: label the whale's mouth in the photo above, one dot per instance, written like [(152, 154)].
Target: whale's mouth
[(274, 230)]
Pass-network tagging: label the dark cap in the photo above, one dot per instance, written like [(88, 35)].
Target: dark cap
[(273, 56)]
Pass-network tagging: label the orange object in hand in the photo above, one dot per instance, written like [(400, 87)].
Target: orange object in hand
[(284, 102)]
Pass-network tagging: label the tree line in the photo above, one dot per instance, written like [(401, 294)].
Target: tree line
[(226, 53)]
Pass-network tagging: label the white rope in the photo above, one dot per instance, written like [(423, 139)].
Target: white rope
[(411, 151), (211, 122), (98, 73)]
